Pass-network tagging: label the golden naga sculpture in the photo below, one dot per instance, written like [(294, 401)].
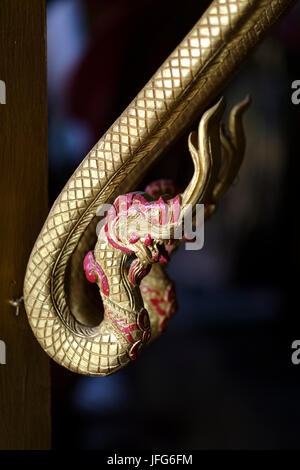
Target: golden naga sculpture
[(128, 265)]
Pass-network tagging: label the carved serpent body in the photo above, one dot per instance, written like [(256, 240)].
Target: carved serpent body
[(179, 91), (119, 275)]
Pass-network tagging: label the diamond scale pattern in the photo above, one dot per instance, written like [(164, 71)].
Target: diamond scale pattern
[(189, 78), (110, 264)]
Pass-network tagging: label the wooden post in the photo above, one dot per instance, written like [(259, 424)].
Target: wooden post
[(25, 378)]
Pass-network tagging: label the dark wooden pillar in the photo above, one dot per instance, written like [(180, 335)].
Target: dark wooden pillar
[(25, 378)]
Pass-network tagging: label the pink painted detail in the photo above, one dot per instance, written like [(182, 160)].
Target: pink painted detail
[(123, 202), (137, 272), (89, 267), (92, 269), (158, 212), (122, 326), (138, 198), (163, 255), (113, 243), (104, 282), (113, 229), (175, 208), (162, 186), (163, 211), (142, 325), (148, 240), (156, 300), (165, 306), (134, 238)]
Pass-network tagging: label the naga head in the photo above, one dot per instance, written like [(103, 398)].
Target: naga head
[(150, 229)]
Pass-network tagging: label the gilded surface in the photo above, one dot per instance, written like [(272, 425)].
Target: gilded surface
[(180, 90)]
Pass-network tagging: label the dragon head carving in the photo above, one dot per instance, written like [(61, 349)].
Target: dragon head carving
[(127, 264), (139, 232)]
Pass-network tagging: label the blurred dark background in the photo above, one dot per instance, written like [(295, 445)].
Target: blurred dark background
[(222, 376)]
